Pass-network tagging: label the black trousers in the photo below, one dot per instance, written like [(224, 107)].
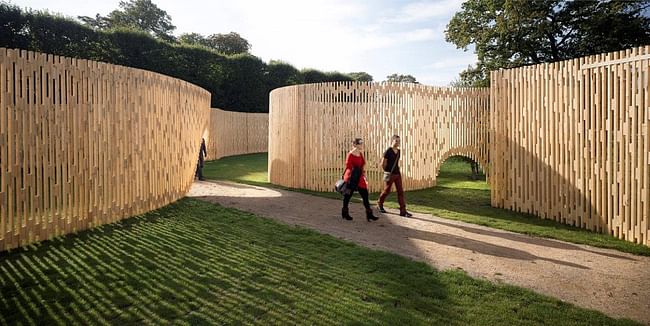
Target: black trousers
[(364, 196), (199, 171)]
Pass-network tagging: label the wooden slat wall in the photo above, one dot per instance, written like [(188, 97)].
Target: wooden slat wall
[(236, 133), (570, 142), (312, 126), (84, 143)]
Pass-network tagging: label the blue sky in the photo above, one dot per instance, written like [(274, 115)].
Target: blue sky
[(379, 37)]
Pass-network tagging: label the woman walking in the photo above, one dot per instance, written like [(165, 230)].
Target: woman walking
[(355, 179), (392, 176)]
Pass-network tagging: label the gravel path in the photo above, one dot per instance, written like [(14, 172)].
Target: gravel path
[(615, 283)]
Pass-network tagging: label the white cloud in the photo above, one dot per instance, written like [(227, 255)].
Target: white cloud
[(455, 62), (425, 10)]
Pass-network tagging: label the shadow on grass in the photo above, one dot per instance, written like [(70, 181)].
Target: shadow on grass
[(197, 263), (457, 197), (254, 198), (202, 264)]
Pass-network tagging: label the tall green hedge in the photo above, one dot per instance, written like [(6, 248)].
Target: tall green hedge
[(240, 82)]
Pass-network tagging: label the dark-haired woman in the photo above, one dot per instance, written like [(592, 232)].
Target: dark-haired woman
[(355, 179)]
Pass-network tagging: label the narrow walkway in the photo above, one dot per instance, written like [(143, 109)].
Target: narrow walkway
[(615, 283)]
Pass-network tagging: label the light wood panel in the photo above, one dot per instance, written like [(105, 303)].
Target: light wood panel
[(312, 126), (85, 143), (570, 142), (235, 133)]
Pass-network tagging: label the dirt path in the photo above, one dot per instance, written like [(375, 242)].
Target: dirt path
[(615, 283)]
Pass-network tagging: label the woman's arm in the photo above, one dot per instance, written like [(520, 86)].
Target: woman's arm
[(348, 162)]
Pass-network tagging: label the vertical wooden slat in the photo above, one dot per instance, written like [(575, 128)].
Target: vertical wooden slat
[(568, 140), (4, 149), (349, 110), (594, 147), (71, 138)]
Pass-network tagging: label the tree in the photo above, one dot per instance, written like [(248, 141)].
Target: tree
[(141, 15), (192, 39), (395, 78), (281, 74), (99, 22), (13, 26), (231, 43), (513, 33), (361, 76)]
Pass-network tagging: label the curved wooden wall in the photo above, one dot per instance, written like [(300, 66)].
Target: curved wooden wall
[(85, 143), (235, 133), (311, 128), (571, 142)]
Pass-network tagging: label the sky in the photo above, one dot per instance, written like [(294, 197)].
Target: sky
[(380, 37)]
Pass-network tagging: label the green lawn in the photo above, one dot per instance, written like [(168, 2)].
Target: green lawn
[(197, 263), (249, 168), (456, 197)]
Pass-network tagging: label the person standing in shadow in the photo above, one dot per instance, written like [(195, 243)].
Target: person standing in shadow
[(203, 153)]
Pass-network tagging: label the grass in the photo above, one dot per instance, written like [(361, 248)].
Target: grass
[(196, 263), (249, 168), (456, 197)]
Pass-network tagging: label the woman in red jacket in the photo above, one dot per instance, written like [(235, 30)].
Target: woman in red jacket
[(355, 178)]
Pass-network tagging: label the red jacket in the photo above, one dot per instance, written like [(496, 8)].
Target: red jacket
[(352, 161)]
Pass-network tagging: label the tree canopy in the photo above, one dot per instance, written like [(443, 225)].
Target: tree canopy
[(397, 78), (142, 15), (229, 44), (361, 76), (513, 33)]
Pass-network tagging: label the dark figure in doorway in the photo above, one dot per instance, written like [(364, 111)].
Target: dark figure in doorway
[(203, 153)]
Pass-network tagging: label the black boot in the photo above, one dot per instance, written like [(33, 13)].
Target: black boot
[(370, 216), (345, 214), (405, 214)]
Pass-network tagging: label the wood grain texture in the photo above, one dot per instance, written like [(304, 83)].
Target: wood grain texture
[(311, 128), (589, 166), (85, 143), (235, 133)]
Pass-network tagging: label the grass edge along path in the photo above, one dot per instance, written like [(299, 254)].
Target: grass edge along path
[(456, 197), (193, 262)]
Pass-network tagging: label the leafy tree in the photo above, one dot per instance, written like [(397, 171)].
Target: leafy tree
[(13, 26), (99, 22), (513, 33), (281, 74), (316, 76), (59, 35), (246, 84), (395, 78), (361, 76), (141, 15), (313, 76), (192, 39), (231, 43), (335, 76)]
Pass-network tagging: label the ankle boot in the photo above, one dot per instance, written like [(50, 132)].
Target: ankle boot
[(345, 214), (370, 216)]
